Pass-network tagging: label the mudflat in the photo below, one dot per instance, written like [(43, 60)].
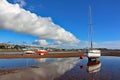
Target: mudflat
[(53, 55), (56, 55)]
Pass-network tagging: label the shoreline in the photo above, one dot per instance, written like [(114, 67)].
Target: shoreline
[(53, 55), (56, 55)]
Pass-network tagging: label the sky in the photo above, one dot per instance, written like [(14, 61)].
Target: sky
[(60, 23)]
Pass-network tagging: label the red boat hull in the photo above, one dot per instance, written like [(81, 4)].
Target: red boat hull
[(41, 52)]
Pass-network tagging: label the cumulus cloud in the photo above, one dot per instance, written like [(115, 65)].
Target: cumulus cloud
[(20, 2), (105, 44), (44, 42), (13, 17), (109, 44), (55, 44), (41, 42)]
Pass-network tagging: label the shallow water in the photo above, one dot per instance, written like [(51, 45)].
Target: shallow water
[(11, 52), (107, 68), (6, 64)]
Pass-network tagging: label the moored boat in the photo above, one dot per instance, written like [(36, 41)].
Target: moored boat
[(92, 53), (40, 51)]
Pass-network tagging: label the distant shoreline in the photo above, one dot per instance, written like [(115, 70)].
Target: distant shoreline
[(111, 53), (52, 55), (56, 54), (104, 53), (10, 50)]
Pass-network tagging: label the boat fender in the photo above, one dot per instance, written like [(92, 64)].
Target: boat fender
[(81, 56)]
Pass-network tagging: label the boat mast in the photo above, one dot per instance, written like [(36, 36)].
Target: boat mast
[(91, 44)]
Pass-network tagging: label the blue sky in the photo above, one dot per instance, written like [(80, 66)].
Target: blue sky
[(73, 17)]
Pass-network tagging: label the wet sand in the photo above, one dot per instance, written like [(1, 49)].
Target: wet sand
[(3, 72), (56, 55), (53, 55), (111, 53), (7, 71)]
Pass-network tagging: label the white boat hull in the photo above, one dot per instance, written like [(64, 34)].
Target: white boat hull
[(93, 53), (29, 52)]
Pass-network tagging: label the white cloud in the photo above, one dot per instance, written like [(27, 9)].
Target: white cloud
[(105, 44), (20, 2), (82, 44), (109, 44), (13, 17), (40, 42), (58, 43), (55, 44)]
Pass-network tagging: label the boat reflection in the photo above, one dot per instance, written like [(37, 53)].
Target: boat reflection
[(41, 59), (93, 66)]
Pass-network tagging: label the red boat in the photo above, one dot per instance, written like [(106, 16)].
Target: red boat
[(41, 51)]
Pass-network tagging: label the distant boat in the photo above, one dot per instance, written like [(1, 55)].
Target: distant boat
[(28, 50), (92, 53), (39, 51)]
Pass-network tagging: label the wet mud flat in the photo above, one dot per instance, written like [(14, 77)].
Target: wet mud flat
[(3, 72), (9, 71), (53, 55), (68, 69), (110, 53), (56, 55)]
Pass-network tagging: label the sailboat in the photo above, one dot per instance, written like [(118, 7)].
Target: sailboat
[(92, 53)]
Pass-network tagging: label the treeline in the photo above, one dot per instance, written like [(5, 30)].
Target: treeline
[(18, 47)]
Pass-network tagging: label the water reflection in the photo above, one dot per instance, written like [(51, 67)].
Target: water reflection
[(108, 68), (93, 67), (6, 64), (56, 66), (49, 69)]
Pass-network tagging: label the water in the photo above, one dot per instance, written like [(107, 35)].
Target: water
[(11, 52), (107, 68), (6, 64)]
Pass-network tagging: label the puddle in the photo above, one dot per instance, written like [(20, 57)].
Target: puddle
[(107, 68)]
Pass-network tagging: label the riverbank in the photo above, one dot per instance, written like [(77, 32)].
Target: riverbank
[(52, 55), (56, 54), (110, 53)]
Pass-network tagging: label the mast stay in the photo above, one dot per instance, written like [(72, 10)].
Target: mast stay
[(90, 14)]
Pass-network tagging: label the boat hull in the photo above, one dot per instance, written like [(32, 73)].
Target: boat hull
[(93, 53), (29, 52)]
